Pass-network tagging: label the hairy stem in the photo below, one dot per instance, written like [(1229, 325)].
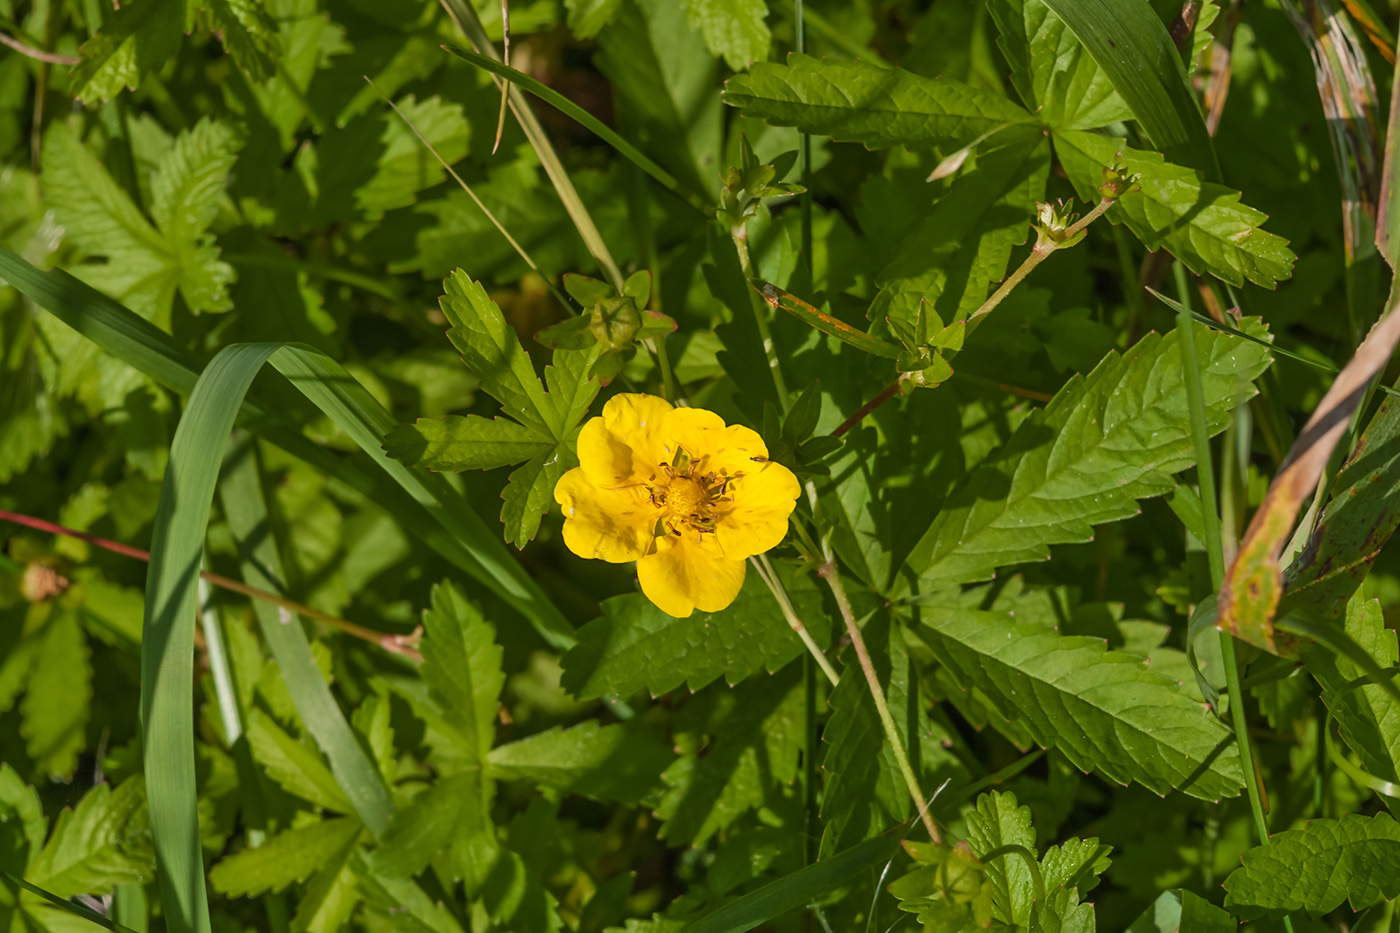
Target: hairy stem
[(770, 579), (398, 644), (877, 693)]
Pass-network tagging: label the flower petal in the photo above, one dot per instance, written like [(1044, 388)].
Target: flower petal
[(757, 518), (688, 573), (704, 434), (622, 442), (614, 525)]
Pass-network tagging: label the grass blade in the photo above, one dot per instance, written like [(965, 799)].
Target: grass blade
[(424, 503), (584, 118), (246, 510), (1135, 50), (774, 900), (78, 910)]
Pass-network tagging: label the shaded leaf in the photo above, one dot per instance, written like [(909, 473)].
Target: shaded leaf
[(617, 762), (136, 41), (102, 842), (733, 29), (291, 856)]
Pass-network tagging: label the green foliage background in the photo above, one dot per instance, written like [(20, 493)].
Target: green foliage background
[(506, 737)]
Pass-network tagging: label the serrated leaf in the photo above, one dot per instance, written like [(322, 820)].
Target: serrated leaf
[(102, 842), (462, 667), (249, 35), (290, 856), (298, 768), (1180, 911), (330, 897), (186, 189), (735, 745), (22, 822), (855, 101), (465, 443), (618, 762), (57, 701), (999, 821), (1103, 442), (1104, 710), (635, 646), (964, 244), (449, 809), (136, 41), (1368, 717), (1203, 224), (1315, 868), (733, 29), (1054, 74)]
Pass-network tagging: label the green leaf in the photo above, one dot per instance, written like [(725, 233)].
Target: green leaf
[(587, 17), (1133, 48), (1051, 70), (1180, 910), (249, 34), (618, 762), (438, 817), (1315, 868), (1105, 441), (773, 900), (1201, 223), (855, 101), (186, 189), (1359, 518), (102, 842), (330, 897), (134, 42), (999, 821), (635, 646), (290, 856), (462, 667), (1369, 717), (296, 767), (57, 702), (963, 245), (1104, 710), (735, 744), (466, 443), (733, 29), (548, 422)]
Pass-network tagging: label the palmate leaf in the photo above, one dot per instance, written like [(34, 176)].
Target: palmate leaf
[(1105, 441), (1315, 868), (290, 856), (617, 762), (1104, 710), (1201, 223), (735, 746), (855, 101), (635, 646), (547, 421), (964, 244), (733, 29), (136, 41)]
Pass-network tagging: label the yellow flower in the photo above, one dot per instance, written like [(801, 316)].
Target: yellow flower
[(675, 489)]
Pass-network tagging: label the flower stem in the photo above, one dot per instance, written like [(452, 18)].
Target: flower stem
[(769, 577), (740, 235), (397, 644), (1038, 255), (877, 693), (657, 348), (885, 395)]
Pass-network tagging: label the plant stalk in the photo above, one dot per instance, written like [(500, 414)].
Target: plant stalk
[(829, 572), (770, 578), (740, 235), (397, 644)]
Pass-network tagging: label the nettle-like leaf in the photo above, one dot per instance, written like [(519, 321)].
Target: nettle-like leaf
[(1105, 441), (1203, 224), (546, 424), (57, 701), (249, 34), (735, 746), (855, 101), (1104, 710), (294, 765), (1054, 74), (617, 762), (102, 842), (147, 263), (462, 668), (1354, 859), (289, 857), (138, 39), (1369, 718), (635, 646), (733, 29), (964, 243)]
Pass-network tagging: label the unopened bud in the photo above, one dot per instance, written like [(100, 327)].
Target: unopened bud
[(42, 583)]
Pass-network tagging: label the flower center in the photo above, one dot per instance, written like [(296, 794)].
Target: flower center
[(684, 497)]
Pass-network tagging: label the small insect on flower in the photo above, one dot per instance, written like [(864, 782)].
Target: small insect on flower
[(681, 493)]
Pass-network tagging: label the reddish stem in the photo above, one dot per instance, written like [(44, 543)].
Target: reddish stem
[(399, 644), (867, 408)]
